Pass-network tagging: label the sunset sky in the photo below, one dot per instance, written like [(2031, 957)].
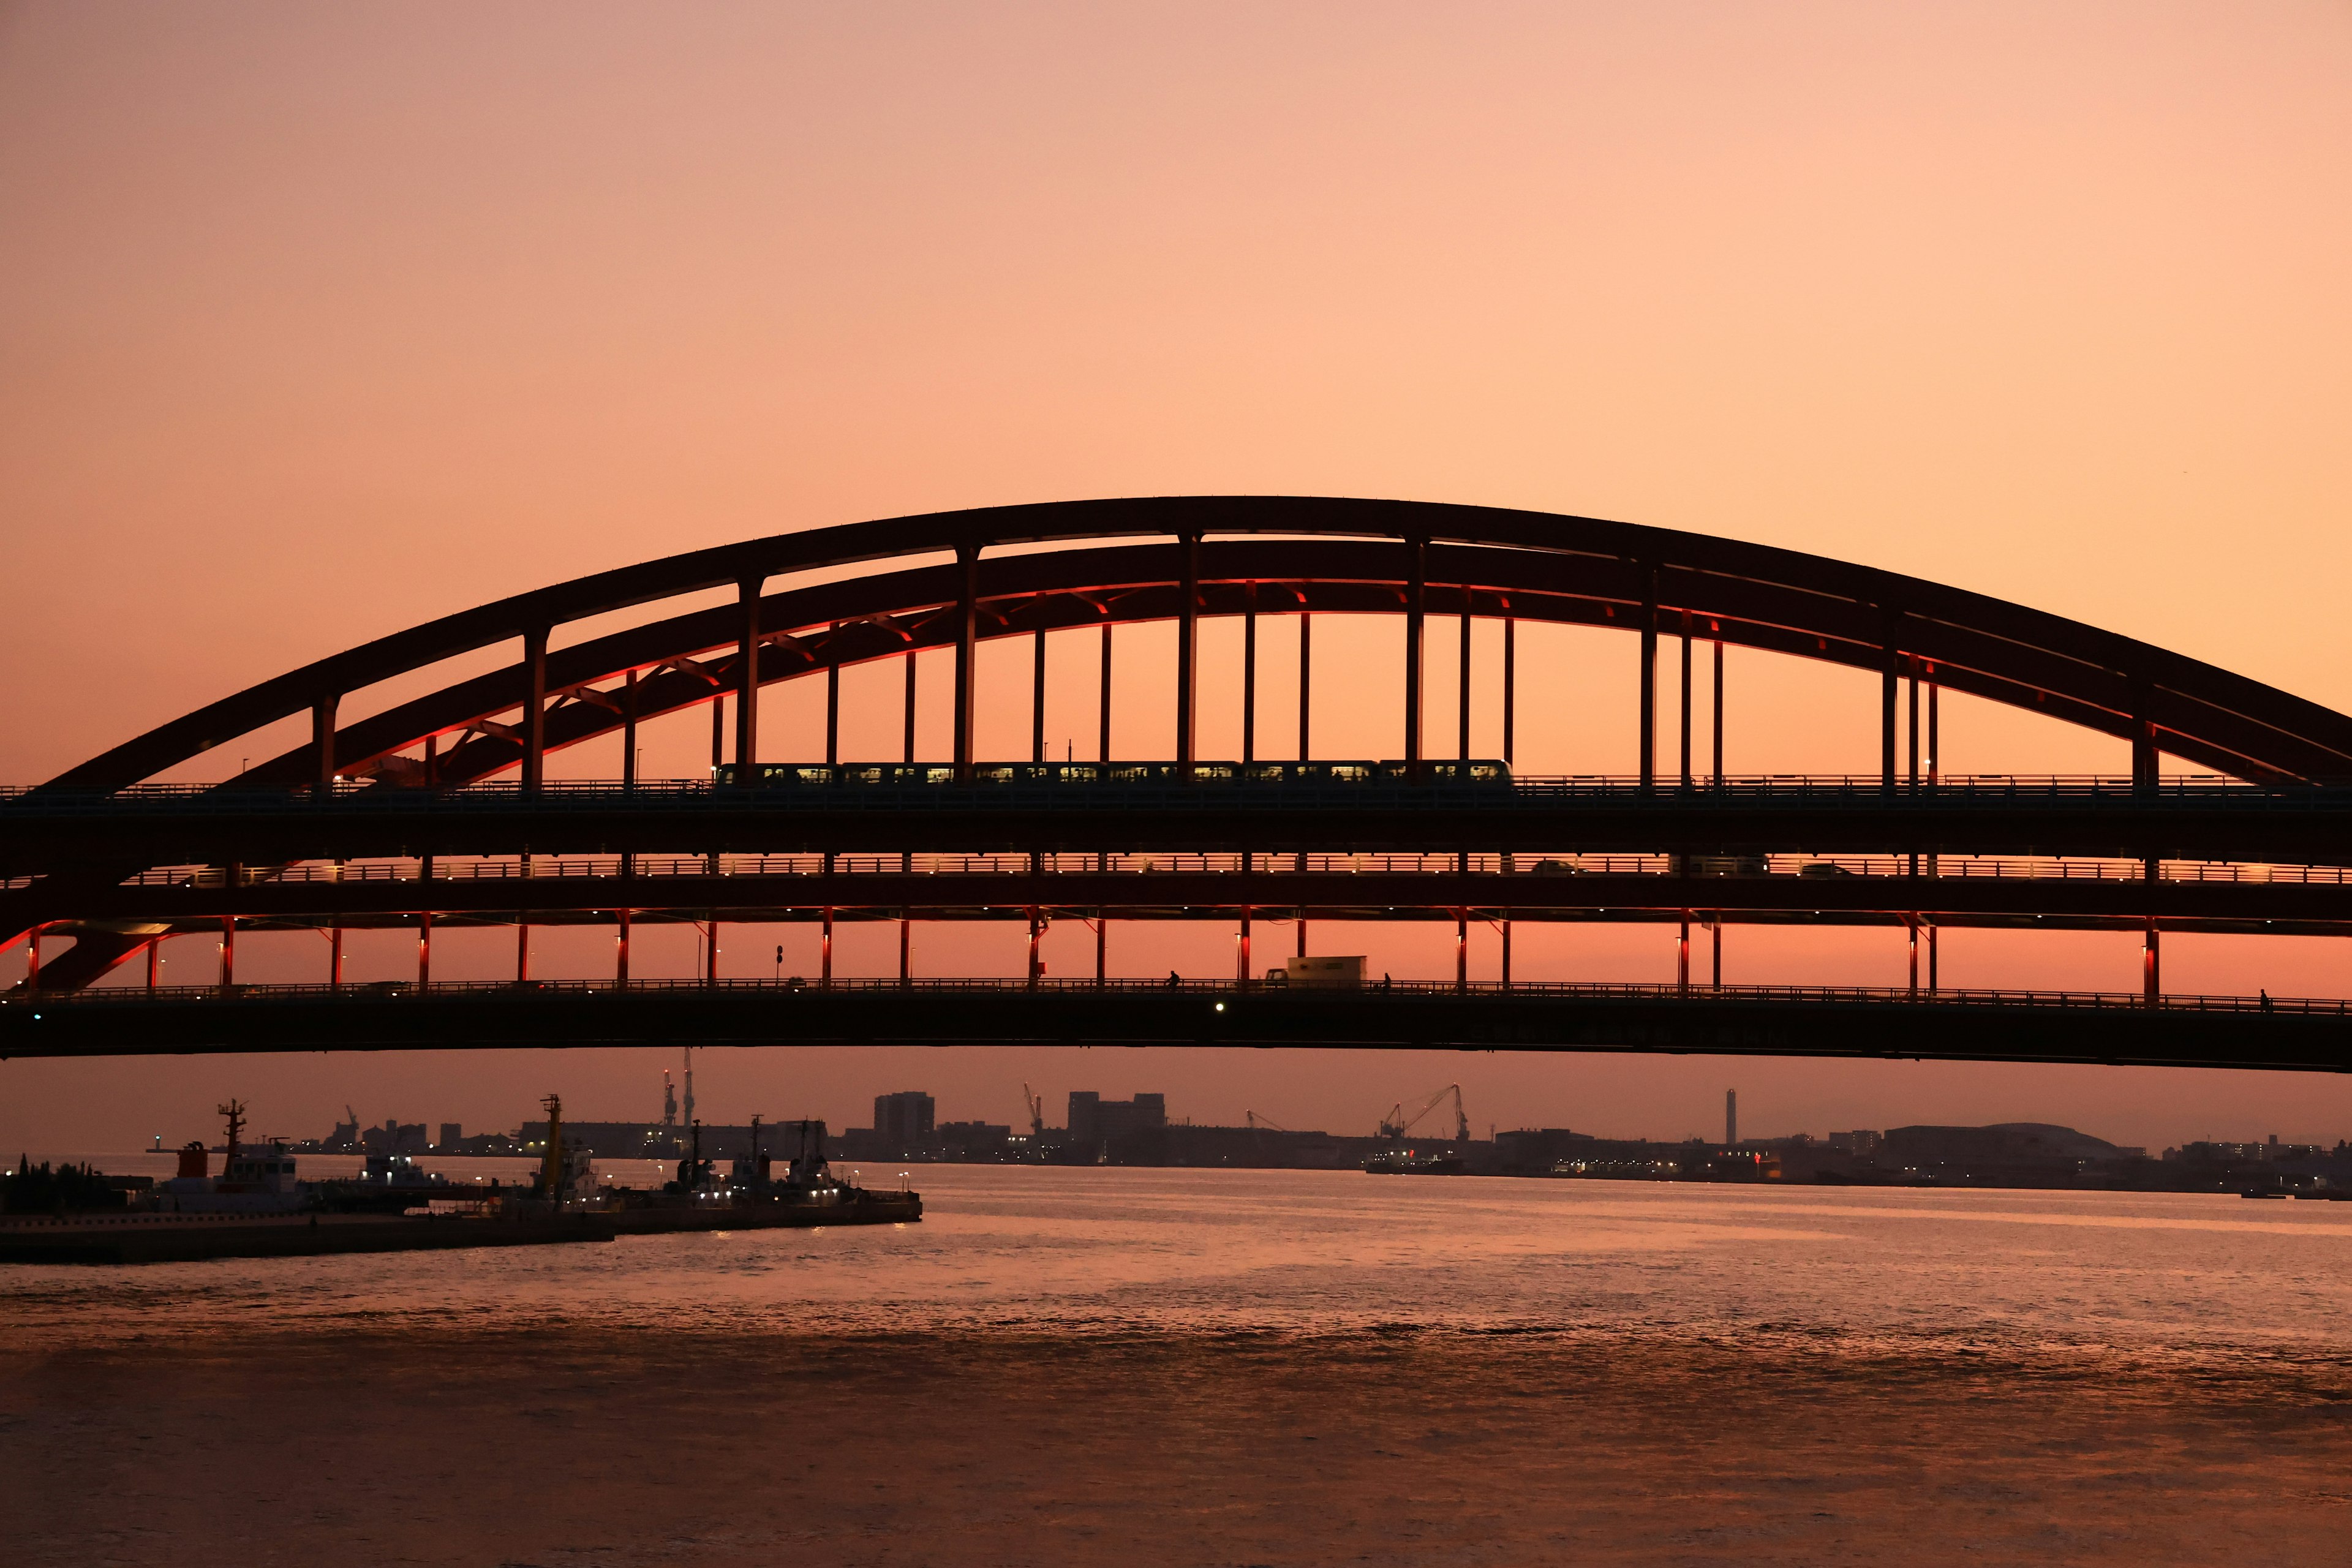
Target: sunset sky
[(316, 322)]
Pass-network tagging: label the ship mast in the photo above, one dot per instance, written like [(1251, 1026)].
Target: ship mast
[(235, 1112)]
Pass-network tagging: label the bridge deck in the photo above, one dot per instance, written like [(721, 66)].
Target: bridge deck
[(1983, 1026)]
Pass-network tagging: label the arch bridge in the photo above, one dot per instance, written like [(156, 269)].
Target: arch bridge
[(438, 810)]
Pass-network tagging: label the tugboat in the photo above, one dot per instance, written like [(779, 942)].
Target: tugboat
[(252, 1181)]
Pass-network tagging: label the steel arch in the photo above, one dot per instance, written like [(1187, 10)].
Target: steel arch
[(1317, 553)]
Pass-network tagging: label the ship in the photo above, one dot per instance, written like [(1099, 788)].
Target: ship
[(758, 1192), (1405, 1162)]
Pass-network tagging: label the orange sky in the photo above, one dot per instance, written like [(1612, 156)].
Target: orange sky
[(317, 323)]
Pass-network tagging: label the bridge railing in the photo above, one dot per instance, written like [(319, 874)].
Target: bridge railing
[(1227, 991), (850, 784), (1270, 866)]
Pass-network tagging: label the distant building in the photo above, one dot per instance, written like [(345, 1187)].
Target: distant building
[(394, 1137), (904, 1120), (451, 1133), (2009, 1154), (1859, 1141), (973, 1140), (1094, 1119)]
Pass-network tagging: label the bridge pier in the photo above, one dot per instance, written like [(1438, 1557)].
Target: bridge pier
[(424, 949), (621, 949)]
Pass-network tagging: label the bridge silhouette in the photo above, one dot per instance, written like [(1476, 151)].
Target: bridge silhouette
[(436, 811)]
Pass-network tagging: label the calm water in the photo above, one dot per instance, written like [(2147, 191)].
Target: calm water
[(1097, 1251)]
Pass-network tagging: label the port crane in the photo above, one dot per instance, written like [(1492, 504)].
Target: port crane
[(1397, 1124), (1035, 1104), (1264, 1123)]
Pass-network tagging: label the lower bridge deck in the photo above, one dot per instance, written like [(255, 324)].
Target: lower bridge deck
[(2104, 1027)]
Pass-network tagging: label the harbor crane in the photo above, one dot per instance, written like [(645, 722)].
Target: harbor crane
[(1397, 1124), (1264, 1123), (1036, 1103)]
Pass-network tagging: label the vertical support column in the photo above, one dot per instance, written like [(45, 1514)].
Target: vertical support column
[(534, 712), (1461, 950), (1932, 977), (1911, 725), (1306, 682), (424, 949), (710, 952), (1464, 699), (718, 733), (1715, 715), (432, 760), (1102, 742), (1249, 679), (522, 952), (967, 655), (1102, 946), (33, 960), (1681, 958), (154, 954), (1035, 933), (832, 703), (2152, 977), (906, 949), (2143, 739), (910, 707), (1649, 677), (1912, 925), (824, 954), (322, 741), (1890, 667), (629, 734), (621, 951), (1187, 640), (1243, 951), (228, 951), (1037, 701), (1715, 952), (1935, 731), (1511, 686), (1507, 952), (1686, 748), (1302, 932), (747, 681), (1416, 614)]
